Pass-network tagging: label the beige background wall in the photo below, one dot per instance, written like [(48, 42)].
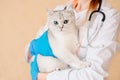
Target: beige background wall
[(19, 22)]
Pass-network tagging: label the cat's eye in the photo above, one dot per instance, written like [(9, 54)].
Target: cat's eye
[(55, 22), (65, 21)]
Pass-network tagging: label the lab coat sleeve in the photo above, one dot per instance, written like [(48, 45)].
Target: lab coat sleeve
[(98, 57)]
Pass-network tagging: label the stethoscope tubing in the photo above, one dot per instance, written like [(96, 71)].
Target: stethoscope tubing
[(98, 11), (98, 30)]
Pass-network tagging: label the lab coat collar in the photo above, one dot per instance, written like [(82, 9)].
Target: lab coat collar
[(105, 5)]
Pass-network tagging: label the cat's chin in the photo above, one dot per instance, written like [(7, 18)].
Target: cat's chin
[(60, 30)]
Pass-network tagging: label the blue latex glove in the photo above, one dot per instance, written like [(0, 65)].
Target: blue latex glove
[(34, 69), (39, 46)]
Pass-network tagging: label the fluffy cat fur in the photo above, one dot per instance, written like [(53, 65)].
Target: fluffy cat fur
[(63, 38)]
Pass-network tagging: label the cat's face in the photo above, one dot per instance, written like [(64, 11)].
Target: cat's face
[(62, 20)]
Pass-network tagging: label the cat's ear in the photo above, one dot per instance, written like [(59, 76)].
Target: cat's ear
[(70, 12), (50, 12), (65, 8), (68, 7)]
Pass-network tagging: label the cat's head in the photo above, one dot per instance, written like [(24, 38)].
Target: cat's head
[(61, 20)]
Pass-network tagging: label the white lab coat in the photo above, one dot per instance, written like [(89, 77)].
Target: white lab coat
[(98, 57)]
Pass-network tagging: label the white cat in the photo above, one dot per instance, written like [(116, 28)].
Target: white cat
[(63, 38)]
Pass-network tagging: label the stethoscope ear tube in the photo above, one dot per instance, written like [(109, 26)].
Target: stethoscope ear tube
[(98, 11)]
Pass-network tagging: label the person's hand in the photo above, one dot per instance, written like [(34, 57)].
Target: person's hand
[(42, 76)]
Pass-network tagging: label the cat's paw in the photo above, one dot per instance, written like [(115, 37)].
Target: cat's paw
[(49, 64)]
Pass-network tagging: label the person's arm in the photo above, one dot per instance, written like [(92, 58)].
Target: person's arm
[(98, 58)]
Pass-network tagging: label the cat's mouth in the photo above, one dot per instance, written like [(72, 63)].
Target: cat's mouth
[(61, 28)]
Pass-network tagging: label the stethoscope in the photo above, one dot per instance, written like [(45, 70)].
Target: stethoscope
[(90, 39)]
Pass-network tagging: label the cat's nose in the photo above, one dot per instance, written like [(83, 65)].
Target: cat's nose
[(61, 26)]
